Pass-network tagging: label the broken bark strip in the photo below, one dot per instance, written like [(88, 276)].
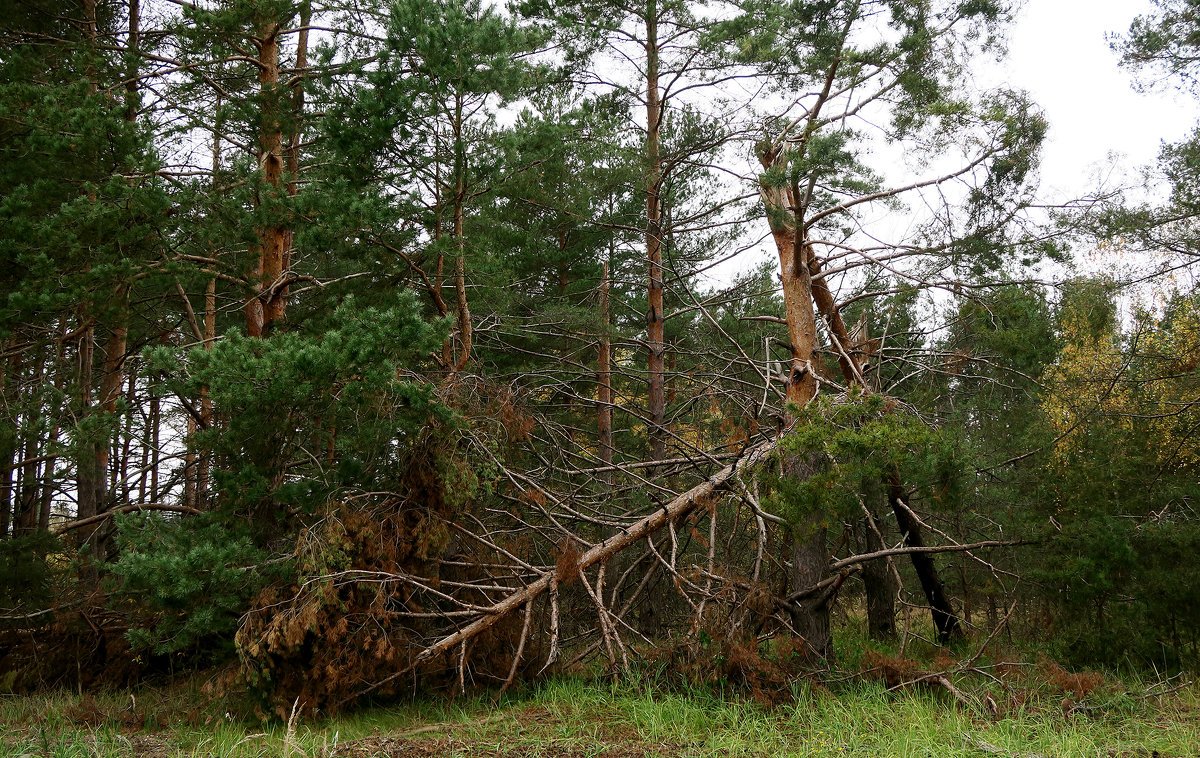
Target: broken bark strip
[(668, 513)]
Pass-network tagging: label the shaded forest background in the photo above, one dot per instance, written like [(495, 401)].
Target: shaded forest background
[(363, 348)]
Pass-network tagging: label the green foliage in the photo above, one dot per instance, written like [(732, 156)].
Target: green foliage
[(1164, 42), (26, 571), (306, 415), (861, 439), (1113, 506), (1161, 47), (189, 581)]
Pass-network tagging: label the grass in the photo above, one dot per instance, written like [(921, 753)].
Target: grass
[(573, 718)]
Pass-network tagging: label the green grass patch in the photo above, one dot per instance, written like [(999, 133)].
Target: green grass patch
[(573, 718)]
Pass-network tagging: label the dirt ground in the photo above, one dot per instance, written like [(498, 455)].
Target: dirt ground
[(391, 747)]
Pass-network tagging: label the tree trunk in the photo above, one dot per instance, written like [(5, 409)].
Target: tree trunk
[(210, 335), (794, 261), (93, 493), (25, 516), (655, 317), (944, 617), (267, 302), (810, 562), (8, 457), (152, 434), (88, 480), (132, 43), (604, 393), (278, 265), (206, 403), (879, 582), (463, 310), (809, 557), (189, 469), (127, 442), (9, 376), (827, 307)]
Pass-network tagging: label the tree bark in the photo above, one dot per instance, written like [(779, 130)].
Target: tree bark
[(462, 310), (206, 403), (827, 307), (795, 276), (879, 583), (810, 564), (9, 374), (9, 379), (88, 481), (132, 44), (604, 393), (655, 318), (809, 556), (267, 303), (25, 518), (25, 508), (48, 482)]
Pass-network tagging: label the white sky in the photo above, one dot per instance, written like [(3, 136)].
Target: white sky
[(1060, 53)]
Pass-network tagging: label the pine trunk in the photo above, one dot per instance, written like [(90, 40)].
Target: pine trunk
[(944, 616), (463, 310), (809, 554), (810, 614), (268, 302), (655, 317), (8, 446), (879, 582), (88, 481), (25, 516), (206, 403), (604, 393)]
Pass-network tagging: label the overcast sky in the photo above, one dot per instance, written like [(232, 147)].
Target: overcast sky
[(1059, 51)]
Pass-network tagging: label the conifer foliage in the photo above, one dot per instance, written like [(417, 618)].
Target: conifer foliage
[(368, 347)]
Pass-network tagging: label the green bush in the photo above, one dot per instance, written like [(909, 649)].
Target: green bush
[(187, 581)]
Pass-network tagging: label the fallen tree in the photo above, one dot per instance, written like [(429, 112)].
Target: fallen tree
[(672, 511)]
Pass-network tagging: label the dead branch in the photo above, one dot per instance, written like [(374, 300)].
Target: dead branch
[(667, 514), (856, 559), (71, 525), (512, 672)]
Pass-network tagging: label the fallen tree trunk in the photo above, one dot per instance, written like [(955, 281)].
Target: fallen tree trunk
[(678, 508)]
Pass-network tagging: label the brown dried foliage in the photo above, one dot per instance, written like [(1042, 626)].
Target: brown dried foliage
[(566, 562), (764, 671), (894, 670), (1079, 685), (83, 647), (367, 601)]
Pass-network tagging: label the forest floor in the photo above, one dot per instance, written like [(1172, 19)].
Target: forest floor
[(575, 718)]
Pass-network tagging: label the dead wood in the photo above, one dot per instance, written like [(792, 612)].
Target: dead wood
[(71, 525), (633, 534)]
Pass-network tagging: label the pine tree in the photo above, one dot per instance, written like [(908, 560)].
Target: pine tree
[(832, 62)]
